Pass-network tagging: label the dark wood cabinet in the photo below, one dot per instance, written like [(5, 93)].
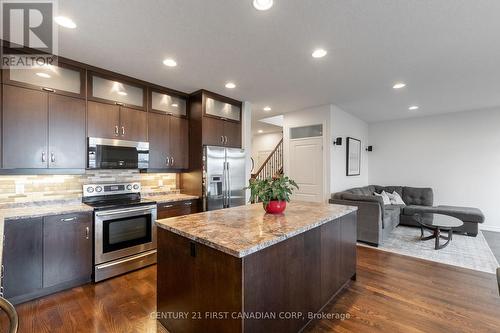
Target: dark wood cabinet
[(103, 120), (45, 255), (213, 131), (179, 208), (25, 124), (116, 122), (67, 249), (168, 142), (232, 133), (42, 130), (67, 144), (22, 258), (179, 142), (133, 124)]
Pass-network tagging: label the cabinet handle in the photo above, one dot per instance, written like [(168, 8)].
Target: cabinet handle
[(1, 273), (188, 203), (118, 103), (87, 232), (226, 139), (167, 161), (221, 139), (52, 157), (44, 157), (49, 90), (168, 206), (172, 161), (69, 219), (116, 131), (123, 130)]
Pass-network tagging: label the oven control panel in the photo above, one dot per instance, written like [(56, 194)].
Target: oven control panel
[(91, 190)]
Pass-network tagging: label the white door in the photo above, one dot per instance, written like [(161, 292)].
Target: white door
[(306, 168)]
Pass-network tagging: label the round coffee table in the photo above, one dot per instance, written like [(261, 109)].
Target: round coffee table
[(437, 223)]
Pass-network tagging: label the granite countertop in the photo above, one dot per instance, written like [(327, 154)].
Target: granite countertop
[(243, 230), (34, 209), (169, 197)]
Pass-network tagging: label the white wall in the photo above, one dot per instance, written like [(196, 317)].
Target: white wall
[(246, 125), (346, 125), (456, 154), (311, 116), (264, 142)]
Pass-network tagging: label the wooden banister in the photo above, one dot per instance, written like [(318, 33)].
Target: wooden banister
[(273, 165)]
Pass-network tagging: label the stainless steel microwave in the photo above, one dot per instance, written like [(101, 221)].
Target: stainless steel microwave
[(117, 154)]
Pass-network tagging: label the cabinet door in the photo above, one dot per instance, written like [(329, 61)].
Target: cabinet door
[(158, 140), (222, 110), (133, 125), (179, 208), (168, 104), (179, 146), (213, 131), (103, 120), (25, 128), (67, 248), (116, 91), (66, 132), (232, 132), (22, 257)]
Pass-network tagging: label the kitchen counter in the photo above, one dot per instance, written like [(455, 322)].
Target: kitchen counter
[(169, 197), (243, 230), (33, 210), (240, 261)]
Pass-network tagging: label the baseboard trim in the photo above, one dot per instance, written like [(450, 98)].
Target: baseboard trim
[(489, 228)]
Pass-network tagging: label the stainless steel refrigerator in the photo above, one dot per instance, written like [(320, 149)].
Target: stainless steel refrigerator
[(223, 177)]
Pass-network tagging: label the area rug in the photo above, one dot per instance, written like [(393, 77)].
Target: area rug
[(463, 251)]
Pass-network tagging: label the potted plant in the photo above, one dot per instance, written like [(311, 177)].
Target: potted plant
[(273, 192)]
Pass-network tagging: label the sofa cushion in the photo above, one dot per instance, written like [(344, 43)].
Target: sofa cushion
[(390, 189), (360, 197), (466, 214), (418, 196), (367, 190), (416, 209), (391, 216)]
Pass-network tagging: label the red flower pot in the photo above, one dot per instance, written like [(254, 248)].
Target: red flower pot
[(275, 207)]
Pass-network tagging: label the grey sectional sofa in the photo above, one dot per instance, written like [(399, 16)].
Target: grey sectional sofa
[(376, 220)]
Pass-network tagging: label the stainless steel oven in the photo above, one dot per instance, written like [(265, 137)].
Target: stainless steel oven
[(124, 230), (124, 238), (117, 154)]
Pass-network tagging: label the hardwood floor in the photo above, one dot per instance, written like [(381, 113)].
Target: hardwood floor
[(393, 293)]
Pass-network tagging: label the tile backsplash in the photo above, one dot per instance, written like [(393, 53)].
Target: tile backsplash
[(17, 189)]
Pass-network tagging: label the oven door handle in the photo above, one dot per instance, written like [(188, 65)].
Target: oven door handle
[(145, 209)]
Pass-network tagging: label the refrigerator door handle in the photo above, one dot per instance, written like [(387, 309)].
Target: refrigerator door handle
[(228, 174), (224, 185)]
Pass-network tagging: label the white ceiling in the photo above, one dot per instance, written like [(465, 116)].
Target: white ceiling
[(447, 51)]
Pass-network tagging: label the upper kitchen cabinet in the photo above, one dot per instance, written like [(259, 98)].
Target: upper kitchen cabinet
[(219, 117), (116, 122), (168, 104), (42, 130), (106, 89), (63, 79), (222, 110)]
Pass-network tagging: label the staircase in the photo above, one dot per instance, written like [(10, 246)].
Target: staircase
[(273, 165)]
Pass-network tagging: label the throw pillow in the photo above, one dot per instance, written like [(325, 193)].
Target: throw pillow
[(396, 198), (384, 196)]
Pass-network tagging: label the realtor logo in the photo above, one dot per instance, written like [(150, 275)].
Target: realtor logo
[(28, 24)]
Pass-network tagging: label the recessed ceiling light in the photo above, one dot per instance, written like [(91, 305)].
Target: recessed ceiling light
[(66, 22), (399, 85), (123, 93), (413, 108), (230, 85), (260, 131), (170, 62), (319, 53), (262, 4), (175, 105), (267, 108), (44, 75)]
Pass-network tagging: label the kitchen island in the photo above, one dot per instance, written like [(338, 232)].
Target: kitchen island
[(241, 270)]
